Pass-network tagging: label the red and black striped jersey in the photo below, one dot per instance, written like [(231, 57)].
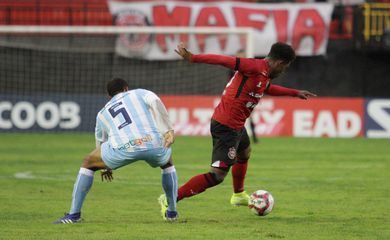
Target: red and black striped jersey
[(243, 91)]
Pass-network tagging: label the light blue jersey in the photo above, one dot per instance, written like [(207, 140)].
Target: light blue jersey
[(126, 122), (128, 130)]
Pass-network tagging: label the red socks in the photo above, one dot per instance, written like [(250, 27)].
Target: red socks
[(196, 185), (238, 173), (201, 182)]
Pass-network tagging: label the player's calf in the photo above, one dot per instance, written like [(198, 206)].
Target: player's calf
[(199, 184)]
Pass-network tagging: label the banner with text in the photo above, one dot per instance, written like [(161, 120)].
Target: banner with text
[(304, 26), (49, 112), (318, 117), (377, 118), (190, 115)]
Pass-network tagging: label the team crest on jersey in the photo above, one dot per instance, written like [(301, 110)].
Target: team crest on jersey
[(232, 153), (133, 44)]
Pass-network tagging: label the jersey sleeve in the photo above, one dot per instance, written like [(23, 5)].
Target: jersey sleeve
[(243, 65), (276, 90), (101, 134), (159, 112)]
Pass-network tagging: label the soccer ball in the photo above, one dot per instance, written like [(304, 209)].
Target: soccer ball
[(261, 202)]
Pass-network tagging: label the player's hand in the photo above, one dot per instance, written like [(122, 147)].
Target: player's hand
[(303, 94), (106, 174), (183, 52), (169, 138)]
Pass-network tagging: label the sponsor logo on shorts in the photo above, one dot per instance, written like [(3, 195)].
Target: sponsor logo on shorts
[(232, 153), (136, 142)]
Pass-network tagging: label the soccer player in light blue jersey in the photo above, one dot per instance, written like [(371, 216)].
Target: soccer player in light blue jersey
[(132, 126)]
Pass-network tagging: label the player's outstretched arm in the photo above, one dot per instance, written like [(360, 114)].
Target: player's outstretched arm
[(216, 59), (244, 65), (276, 90)]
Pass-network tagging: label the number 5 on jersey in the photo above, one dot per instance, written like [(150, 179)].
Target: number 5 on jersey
[(121, 110)]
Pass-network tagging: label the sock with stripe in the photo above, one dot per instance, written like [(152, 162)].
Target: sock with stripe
[(169, 183), (80, 189), (196, 185)]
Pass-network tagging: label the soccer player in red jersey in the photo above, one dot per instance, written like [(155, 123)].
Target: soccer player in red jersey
[(231, 145)]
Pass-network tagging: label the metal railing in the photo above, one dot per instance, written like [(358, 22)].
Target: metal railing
[(376, 20)]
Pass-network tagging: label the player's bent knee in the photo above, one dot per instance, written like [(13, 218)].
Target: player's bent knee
[(242, 160), (169, 164), (244, 156), (218, 174), (88, 163), (218, 177)]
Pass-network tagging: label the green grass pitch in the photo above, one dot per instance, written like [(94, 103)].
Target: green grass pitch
[(323, 189)]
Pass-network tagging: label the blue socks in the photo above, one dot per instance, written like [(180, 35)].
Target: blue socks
[(81, 187), (85, 179), (169, 183)]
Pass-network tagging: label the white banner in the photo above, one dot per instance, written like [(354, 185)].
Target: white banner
[(304, 26)]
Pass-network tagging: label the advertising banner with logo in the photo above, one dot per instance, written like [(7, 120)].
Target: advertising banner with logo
[(322, 117), (190, 115), (377, 118), (318, 117), (304, 26), (49, 113)]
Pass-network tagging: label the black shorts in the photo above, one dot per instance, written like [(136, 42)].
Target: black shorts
[(226, 143)]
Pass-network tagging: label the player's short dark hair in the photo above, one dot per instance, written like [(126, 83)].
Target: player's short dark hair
[(115, 86), (282, 51)]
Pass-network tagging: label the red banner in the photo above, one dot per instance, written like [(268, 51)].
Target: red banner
[(317, 117)]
